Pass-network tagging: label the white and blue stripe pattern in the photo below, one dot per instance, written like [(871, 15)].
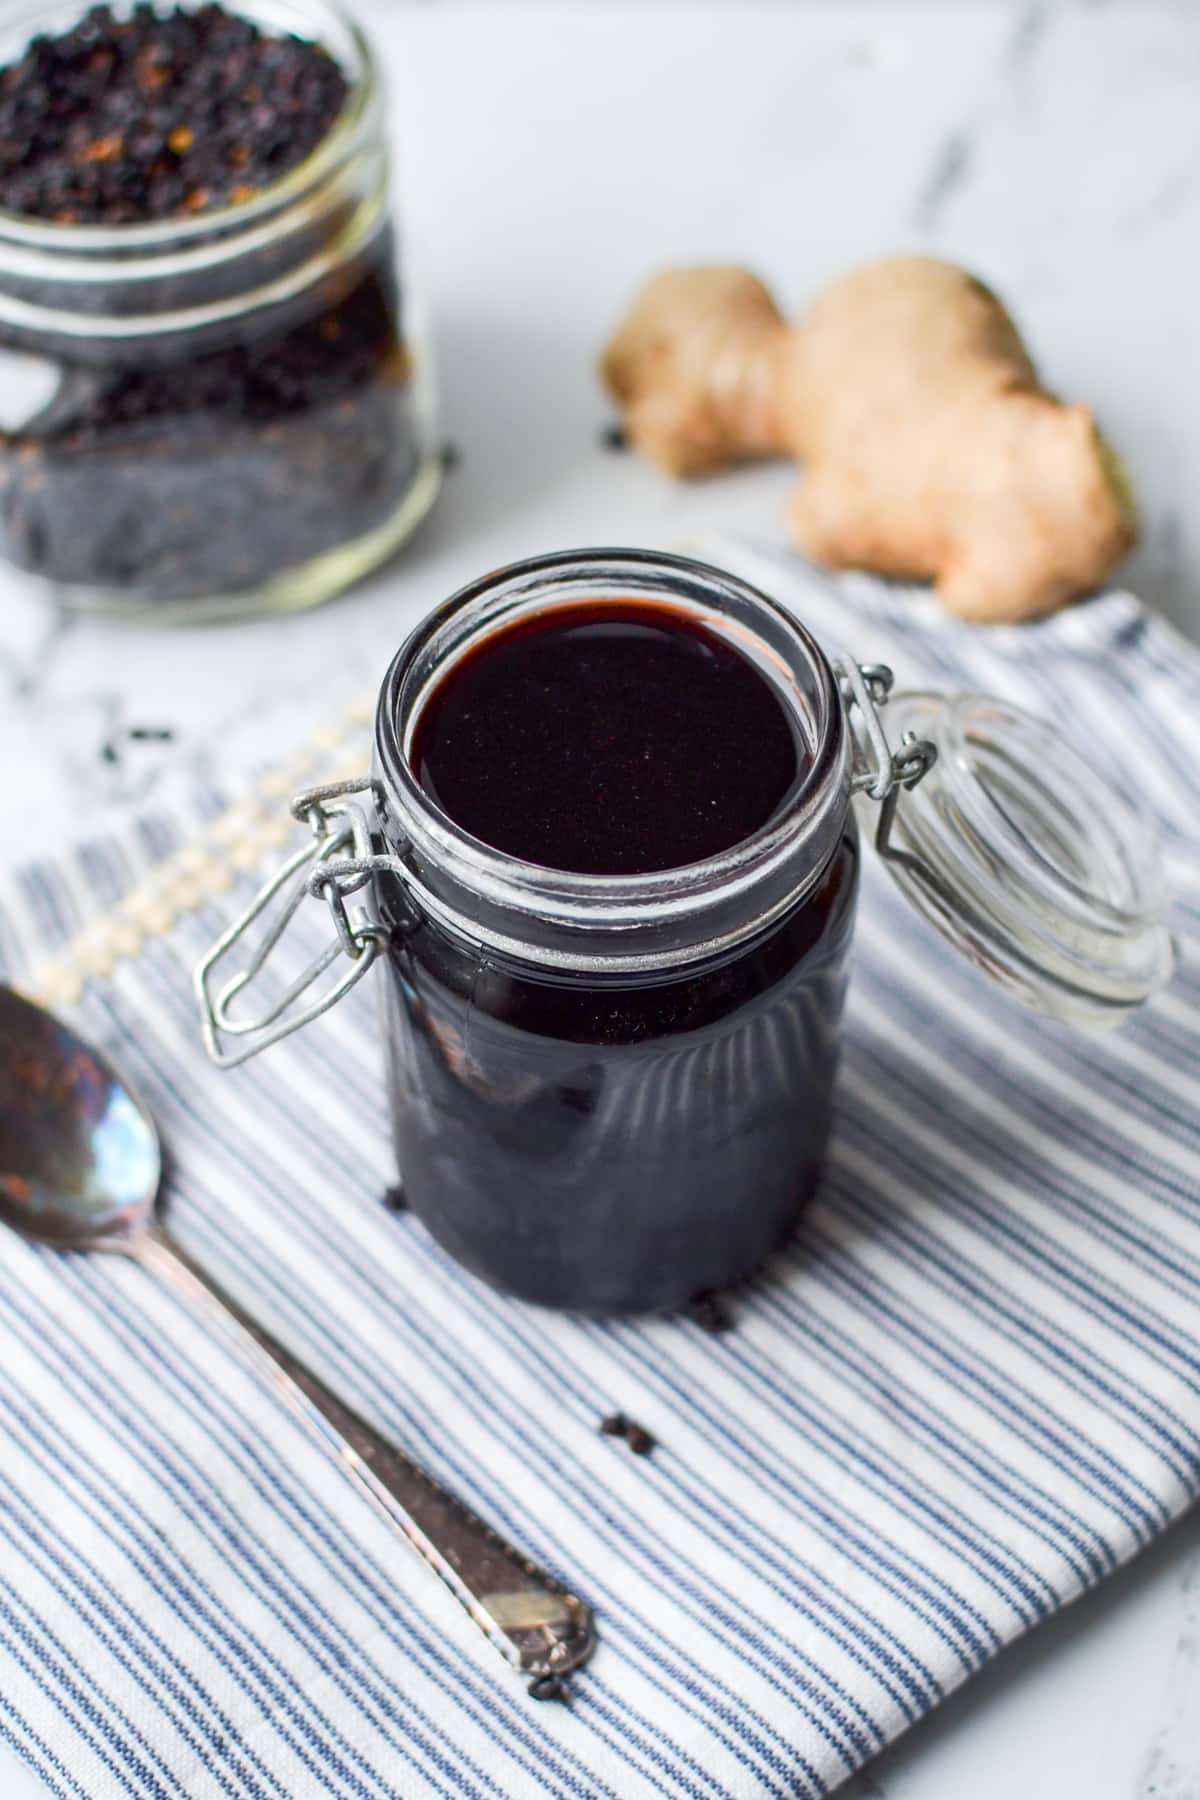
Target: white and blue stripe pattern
[(966, 1391)]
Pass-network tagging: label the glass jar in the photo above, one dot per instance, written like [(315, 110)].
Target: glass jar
[(222, 414), (613, 1093)]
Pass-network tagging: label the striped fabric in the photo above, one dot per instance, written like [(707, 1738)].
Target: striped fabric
[(964, 1393)]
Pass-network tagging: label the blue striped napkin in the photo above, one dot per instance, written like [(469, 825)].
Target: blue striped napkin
[(963, 1394)]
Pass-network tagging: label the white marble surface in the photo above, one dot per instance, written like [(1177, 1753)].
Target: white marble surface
[(552, 155)]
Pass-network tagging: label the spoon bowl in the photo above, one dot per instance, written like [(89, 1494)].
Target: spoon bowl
[(80, 1164)]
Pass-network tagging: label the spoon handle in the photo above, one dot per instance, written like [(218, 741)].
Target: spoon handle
[(538, 1627)]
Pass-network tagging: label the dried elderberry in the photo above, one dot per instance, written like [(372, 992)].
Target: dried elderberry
[(128, 120)]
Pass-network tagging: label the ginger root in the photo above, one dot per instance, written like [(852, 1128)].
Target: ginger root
[(694, 368), (932, 450)]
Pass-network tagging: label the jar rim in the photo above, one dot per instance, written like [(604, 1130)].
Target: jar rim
[(26, 231), (679, 913)]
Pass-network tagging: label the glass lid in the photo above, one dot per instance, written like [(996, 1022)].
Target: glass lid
[(1022, 856)]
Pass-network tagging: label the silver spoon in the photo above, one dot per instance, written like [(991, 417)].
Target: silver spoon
[(80, 1167)]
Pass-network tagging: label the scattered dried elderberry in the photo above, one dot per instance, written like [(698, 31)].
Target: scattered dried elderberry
[(395, 1198), (548, 1687), (710, 1312), (124, 120), (636, 1436), (614, 437)]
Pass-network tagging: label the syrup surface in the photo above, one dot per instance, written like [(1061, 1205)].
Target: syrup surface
[(616, 737)]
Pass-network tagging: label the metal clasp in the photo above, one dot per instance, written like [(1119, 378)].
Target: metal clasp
[(336, 865), (879, 771)]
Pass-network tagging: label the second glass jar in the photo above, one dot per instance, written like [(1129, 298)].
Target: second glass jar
[(229, 413)]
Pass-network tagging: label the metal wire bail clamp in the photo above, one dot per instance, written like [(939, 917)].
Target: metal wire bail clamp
[(878, 771), (338, 864)]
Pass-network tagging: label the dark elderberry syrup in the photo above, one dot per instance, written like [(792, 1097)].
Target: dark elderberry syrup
[(614, 1141), (611, 738)]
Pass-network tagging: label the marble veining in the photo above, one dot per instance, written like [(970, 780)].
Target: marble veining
[(1028, 30), (1172, 1767), (949, 172)]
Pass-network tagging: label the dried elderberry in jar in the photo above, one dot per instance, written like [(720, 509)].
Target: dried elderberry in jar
[(214, 403)]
